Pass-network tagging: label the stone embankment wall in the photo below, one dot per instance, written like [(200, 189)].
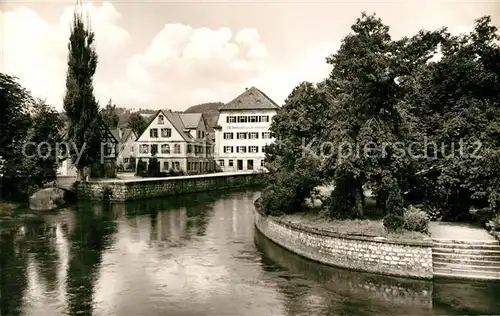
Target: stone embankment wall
[(362, 253), (133, 189)]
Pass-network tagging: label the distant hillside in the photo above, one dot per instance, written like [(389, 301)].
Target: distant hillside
[(205, 107), (210, 112)]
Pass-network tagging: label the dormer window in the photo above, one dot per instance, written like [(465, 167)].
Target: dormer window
[(161, 119)]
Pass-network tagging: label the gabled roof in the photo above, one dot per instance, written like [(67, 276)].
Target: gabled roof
[(177, 120), (251, 99), (63, 130), (190, 120), (126, 132)]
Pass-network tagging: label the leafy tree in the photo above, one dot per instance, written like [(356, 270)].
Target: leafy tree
[(137, 123), (27, 164), (458, 102), (293, 165), (110, 115), (79, 102), (367, 82)]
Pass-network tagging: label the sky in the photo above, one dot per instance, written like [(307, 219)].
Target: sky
[(175, 54)]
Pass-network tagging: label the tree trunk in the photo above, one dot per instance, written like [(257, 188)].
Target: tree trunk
[(358, 200)]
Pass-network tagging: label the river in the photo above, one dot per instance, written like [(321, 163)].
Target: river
[(195, 255)]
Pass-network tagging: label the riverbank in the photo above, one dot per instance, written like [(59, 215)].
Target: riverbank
[(6, 207), (342, 245), (357, 227), (144, 188)]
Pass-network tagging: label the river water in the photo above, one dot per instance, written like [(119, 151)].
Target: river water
[(195, 255)]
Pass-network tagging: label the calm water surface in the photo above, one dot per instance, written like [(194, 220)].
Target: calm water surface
[(195, 255)]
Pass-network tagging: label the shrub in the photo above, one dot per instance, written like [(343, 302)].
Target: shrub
[(393, 222), (434, 212), (395, 203), (193, 172), (494, 224), (416, 220)]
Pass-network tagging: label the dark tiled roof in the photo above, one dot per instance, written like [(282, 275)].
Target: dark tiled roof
[(251, 99), (190, 120), (177, 120)]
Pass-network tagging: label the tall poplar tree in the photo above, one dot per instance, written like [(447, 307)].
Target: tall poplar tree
[(82, 109)]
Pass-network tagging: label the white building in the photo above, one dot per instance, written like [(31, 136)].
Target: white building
[(126, 147), (179, 140), (242, 131)]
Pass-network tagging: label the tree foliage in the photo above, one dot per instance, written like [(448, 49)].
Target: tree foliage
[(28, 151), (137, 123), (382, 98), (81, 107), (110, 115)]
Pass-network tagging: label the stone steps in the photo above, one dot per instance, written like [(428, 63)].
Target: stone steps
[(461, 259), (466, 259)]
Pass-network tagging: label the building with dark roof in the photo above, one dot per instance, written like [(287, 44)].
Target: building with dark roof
[(179, 141), (242, 131)]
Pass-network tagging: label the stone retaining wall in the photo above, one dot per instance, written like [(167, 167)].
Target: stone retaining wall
[(133, 189), (370, 254)]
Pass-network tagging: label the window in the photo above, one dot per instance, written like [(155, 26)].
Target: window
[(228, 149), (165, 149), (154, 149), (262, 163), (253, 149), (221, 163), (160, 119), (266, 135), (177, 148), (242, 135), (144, 149), (241, 149), (209, 150), (153, 133), (253, 119), (189, 148), (230, 162), (166, 132), (263, 149), (242, 119), (125, 160), (231, 119), (264, 119), (253, 135), (165, 165), (108, 149), (228, 135), (177, 165), (132, 149)]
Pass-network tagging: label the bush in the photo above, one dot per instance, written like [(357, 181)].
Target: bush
[(434, 212), (494, 224), (393, 222), (141, 167), (416, 220), (193, 172), (395, 203)]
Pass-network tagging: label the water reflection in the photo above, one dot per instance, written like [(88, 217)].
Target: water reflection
[(194, 255)]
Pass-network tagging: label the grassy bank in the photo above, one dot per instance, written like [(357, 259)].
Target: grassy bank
[(365, 227)]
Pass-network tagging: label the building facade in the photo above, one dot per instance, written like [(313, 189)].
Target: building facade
[(178, 140), (127, 152), (242, 131)]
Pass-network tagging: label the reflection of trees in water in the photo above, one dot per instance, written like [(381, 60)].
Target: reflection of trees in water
[(13, 280), (348, 292), (196, 208), (93, 232), (466, 298)]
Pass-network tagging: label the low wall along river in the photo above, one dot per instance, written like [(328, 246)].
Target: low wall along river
[(144, 188), (369, 254)]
